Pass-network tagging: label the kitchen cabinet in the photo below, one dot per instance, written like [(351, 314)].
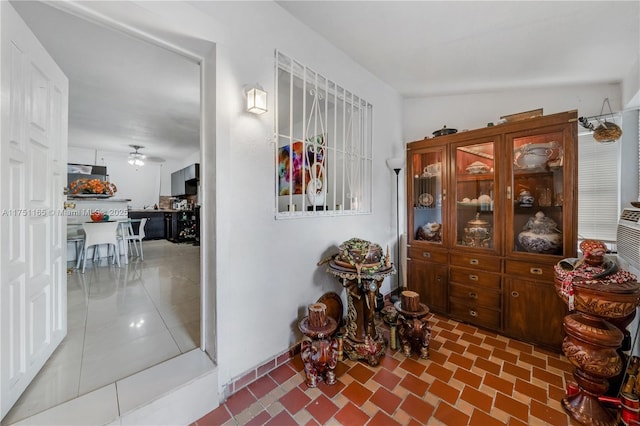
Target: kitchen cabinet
[(494, 209), (154, 228), (185, 181)]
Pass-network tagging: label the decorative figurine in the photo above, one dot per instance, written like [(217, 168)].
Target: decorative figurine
[(319, 350), (413, 327)]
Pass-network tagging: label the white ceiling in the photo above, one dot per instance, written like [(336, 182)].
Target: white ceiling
[(425, 48), (122, 91), (126, 92)]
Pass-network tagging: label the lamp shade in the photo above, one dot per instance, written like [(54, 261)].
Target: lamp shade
[(256, 101), (395, 163)]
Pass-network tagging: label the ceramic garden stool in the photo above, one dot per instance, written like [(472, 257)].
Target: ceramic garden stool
[(319, 350), (413, 327)]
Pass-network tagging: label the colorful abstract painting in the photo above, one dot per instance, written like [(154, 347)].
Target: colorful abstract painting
[(293, 162)]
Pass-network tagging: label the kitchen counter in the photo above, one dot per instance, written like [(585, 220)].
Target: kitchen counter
[(158, 210), (108, 200)]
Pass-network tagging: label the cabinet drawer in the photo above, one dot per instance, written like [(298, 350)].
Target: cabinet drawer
[(474, 314), (474, 277), (529, 270), (475, 295), (485, 263), (418, 253)]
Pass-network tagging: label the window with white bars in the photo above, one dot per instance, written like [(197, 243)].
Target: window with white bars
[(323, 145), (598, 186)]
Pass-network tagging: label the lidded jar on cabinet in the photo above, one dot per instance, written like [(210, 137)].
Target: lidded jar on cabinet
[(541, 235), (477, 233)]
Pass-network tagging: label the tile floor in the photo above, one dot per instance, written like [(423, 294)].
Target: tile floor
[(472, 377), (120, 321)]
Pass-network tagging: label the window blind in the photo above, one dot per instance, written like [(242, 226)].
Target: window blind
[(598, 187)]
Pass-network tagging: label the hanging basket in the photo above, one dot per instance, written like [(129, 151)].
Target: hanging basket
[(607, 131)]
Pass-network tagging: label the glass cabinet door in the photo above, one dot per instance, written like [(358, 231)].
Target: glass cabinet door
[(537, 193), (427, 195), (474, 182)]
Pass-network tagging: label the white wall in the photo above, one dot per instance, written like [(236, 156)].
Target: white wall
[(266, 269)]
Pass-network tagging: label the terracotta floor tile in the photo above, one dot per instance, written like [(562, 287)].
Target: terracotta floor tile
[(386, 400), (499, 384), (262, 386), (504, 355), (454, 347), (531, 390), (461, 360), (414, 385), (470, 338), (322, 409), (387, 379), (351, 415), (548, 414), (520, 346), (444, 391), (448, 335), (487, 365), (282, 419), (479, 351), (437, 357), (262, 418), (479, 378), (382, 419), (548, 377), (439, 372), (450, 416), (357, 393), (413, 366), (294, 400), (514, 370), (511, 406), (467, 377), (479, 418), (282, 373), (476, 398), (360, 373), (216, 417), (240, 400), (331, 390), (417, 408), (533, 360)]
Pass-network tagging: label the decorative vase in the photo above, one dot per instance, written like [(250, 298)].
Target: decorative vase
[(97, 216), (541, 235)]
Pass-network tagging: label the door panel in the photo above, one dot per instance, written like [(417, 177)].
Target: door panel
[(32, 171)]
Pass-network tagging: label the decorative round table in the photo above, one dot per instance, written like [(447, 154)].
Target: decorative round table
[(362, 339)]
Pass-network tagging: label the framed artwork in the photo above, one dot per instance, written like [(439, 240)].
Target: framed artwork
[(296, 161)]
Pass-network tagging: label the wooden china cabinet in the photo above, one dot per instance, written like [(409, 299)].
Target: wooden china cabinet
[(490, 212)]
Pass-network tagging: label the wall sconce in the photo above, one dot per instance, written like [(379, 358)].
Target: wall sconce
[(256, 100)]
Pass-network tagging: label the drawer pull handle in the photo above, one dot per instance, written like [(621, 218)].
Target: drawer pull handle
[(473, 277), (426, 254), (473, 295), (536, 271), (473, 313), (515, 294), (473, 261)]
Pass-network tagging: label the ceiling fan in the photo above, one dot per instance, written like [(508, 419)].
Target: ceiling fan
[(136, 158)]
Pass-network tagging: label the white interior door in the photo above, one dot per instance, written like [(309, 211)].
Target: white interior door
[(33, 161)]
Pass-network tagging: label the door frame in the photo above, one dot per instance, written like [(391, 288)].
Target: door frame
[(207, 63)]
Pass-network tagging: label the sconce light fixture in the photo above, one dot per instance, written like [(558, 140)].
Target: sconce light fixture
[(135, 158), (256, 100)]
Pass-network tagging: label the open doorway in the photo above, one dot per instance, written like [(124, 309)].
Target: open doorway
[(118, 292)]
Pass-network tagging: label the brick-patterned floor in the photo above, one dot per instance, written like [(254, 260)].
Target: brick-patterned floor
[(472, 377)]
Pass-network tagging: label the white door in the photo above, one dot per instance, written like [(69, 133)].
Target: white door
[(33, 162)]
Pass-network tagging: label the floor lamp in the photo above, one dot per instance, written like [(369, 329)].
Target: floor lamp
[(396, 164)]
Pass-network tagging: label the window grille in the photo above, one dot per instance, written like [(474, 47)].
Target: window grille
[(598, 186), (323, 145)]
